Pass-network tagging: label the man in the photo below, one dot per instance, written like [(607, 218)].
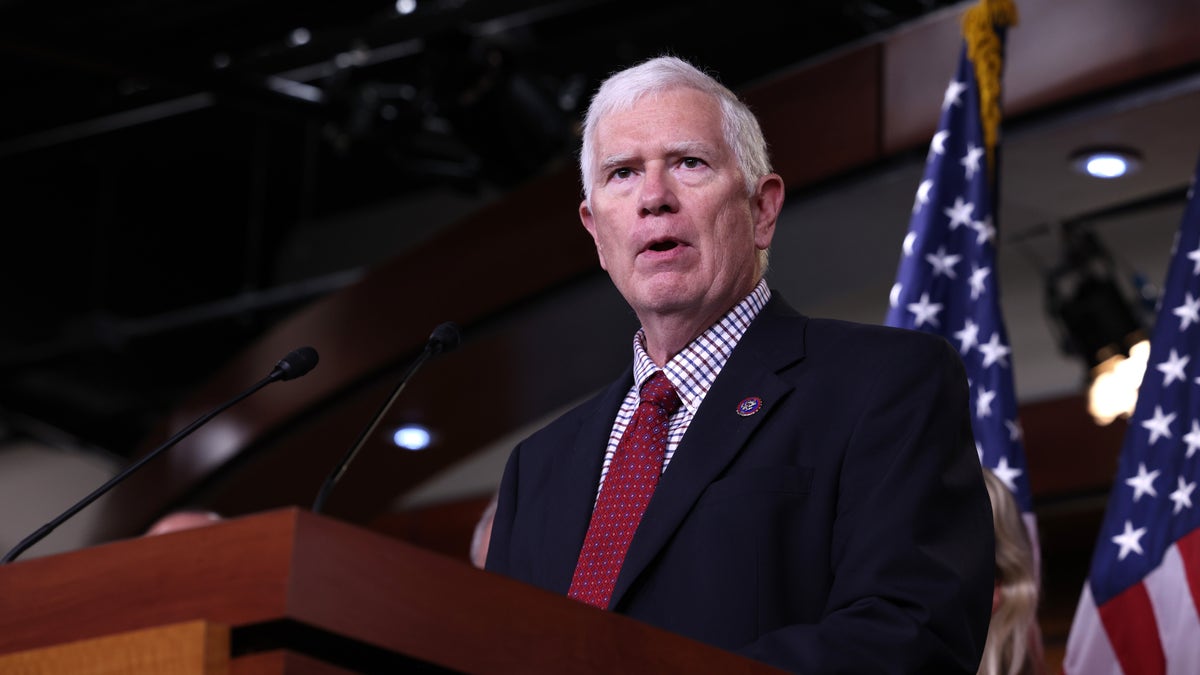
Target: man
[(820, 505)]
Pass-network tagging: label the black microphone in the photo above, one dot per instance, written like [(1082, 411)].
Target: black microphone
[(444, 338), (297, 363)]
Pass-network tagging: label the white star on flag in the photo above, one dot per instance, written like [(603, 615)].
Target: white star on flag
[(994, 352), (983, 402), (970, 161), (1192, 438), (1015, 432), (953, 93), (959, 213), (1182, 497), (922, 197), (1006, 473), (1188, 312), (1194, 256), (978, 275), (1143, 482), (937, 146), (987, 231), (1172, 368), (967, 337), (1129, 540), (925, 311), (1160, 425), (943, 263)]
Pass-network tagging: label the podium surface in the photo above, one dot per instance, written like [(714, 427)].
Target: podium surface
[(292, 582)]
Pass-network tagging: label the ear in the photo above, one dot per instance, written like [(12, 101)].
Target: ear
[(765, 205), (589, 224)]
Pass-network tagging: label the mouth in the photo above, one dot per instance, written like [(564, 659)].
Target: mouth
[(662, 245)]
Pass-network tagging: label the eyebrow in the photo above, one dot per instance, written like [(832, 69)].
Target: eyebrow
[(678, 149)]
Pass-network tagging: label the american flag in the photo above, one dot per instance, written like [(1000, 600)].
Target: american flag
[(1138, 611), (946, 282)]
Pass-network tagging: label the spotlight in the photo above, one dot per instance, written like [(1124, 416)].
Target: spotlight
[(1115, 384), (1097, 322), (1106, 163)]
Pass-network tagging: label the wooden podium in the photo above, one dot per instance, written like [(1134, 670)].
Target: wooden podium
[(288, 591)]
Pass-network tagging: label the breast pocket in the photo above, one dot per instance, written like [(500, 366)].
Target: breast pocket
[(777, 481)]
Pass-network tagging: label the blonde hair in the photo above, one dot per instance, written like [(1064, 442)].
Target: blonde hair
[(1008, 650)]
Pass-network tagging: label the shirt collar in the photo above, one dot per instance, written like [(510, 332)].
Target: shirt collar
[(697, 365)]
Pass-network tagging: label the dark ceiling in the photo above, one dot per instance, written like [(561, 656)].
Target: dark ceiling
[(156, 158)]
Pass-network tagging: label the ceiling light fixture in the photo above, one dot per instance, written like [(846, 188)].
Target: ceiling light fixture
[(413, 437), (1106, 163), (299, 36)]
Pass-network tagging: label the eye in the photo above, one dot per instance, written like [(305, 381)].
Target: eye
[(621, 173), (691, 162)]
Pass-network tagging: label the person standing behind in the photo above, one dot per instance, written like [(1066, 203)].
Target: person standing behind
[(1014, 641), (804, 492)]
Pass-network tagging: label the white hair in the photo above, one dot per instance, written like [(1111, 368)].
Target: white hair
[(664, 73)]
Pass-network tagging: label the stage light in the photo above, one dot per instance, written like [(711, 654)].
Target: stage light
[(1097, 322), (1115, 382)]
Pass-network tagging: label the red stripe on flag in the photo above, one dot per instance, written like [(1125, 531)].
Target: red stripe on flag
[(1189, 550), (1133, 632)]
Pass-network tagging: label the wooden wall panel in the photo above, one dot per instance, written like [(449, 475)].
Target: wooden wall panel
[(824, 118), (1060, 50)]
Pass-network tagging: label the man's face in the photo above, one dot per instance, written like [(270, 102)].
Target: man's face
[(669, 212)]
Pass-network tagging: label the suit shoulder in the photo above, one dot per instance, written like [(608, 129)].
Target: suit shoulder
[(885, 341)]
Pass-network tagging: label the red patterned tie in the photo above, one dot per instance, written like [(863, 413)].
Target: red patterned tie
[(628, 486)]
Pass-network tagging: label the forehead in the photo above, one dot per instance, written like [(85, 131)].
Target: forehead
[(679, 115)]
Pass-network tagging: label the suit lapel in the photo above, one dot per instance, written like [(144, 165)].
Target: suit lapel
[(575, 478), (718, 433)]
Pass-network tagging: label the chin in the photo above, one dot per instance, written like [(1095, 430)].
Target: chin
[(670, 301)]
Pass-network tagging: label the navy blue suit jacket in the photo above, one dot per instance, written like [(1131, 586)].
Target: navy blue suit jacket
[(844, 527)]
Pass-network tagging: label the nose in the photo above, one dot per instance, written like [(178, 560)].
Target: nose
[(657, 193)]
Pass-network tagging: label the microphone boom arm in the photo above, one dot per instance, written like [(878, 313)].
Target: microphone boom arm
[(295, 364), (336, 475), (443, 339)]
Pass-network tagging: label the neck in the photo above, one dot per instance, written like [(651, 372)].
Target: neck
[(666, 336)]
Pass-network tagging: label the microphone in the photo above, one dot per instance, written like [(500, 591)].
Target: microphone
[(445, 338), (296, 364)]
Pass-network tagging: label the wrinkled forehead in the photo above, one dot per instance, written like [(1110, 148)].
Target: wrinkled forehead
[(614, 105), (691, 109)]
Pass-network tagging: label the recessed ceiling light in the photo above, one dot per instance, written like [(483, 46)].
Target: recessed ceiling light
[(412, 437), (1106, 162), (299, 36)]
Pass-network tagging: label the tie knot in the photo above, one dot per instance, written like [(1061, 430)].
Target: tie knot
[(659, 391)]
